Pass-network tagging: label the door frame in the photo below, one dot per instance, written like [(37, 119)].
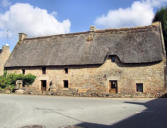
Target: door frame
[(110, 84), (42, 85)]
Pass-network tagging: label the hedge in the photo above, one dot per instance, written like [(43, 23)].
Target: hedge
[(9, 80)]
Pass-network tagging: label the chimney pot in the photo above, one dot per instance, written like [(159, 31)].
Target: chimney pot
[(92, 28), (22, 36), (5, 47)]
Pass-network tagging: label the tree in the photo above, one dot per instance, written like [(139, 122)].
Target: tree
[(161, 15)]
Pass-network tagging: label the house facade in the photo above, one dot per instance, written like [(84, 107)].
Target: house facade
[(127, 61), (4, 55)]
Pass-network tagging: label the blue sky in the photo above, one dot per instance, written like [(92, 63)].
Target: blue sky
[(48, 17), (82, 13)]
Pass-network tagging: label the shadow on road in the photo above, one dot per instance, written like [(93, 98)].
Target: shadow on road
[(155, 116)]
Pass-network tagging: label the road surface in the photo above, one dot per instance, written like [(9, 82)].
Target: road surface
[(18, 111)]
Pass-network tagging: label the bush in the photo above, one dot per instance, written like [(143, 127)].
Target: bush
[(8, 81), (28, 79), (3, 82)]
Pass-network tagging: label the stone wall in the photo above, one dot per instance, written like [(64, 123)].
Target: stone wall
[(4, 55), (94, 80)]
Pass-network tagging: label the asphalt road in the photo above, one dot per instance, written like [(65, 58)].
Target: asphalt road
[(59, 112)]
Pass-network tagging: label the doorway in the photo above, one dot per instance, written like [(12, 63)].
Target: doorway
[(43, 85), (113, 87)]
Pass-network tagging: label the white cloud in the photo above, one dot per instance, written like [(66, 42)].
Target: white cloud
[(140, 13), (5, 3), (155, 3), (32, 21)]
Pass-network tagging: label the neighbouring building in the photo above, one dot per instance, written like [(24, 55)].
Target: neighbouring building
[(127, 61), (4, 55)]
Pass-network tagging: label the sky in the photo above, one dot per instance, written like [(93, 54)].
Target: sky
[(50, 17)]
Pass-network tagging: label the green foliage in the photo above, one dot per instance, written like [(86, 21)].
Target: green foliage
[(5, 73), (28, 79), (3, 82), (8, 81), (161, 16)]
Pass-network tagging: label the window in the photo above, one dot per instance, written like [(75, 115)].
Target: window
[(23, 71), (113, 58), (139, 87), (66, 70), (43, 70), (23, 84), (65, 83)]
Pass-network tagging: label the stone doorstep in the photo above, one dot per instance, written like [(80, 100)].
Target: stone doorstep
[(20, 91)]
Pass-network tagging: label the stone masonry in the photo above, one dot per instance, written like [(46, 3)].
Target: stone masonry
[(96, 79), (4, 55)]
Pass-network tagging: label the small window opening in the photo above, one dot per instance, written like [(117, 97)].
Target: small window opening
[(139, 87), (43, 70), (113, 59), (23, 84), (65, 83), (51, 83), (23, 71), (66, 70)]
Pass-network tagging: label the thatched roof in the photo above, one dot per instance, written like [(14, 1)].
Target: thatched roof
[(131, 45)]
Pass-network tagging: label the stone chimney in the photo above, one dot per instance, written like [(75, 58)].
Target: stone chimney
[(22, 36), (5, 48), (4, 55), (92, 28)]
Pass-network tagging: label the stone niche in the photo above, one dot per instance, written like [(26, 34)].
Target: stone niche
[(19, 84)]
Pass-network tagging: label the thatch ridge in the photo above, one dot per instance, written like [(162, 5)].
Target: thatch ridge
[(119, 30)]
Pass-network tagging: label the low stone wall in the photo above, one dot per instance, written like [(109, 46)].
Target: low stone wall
[(5, 91), (91, 93)]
